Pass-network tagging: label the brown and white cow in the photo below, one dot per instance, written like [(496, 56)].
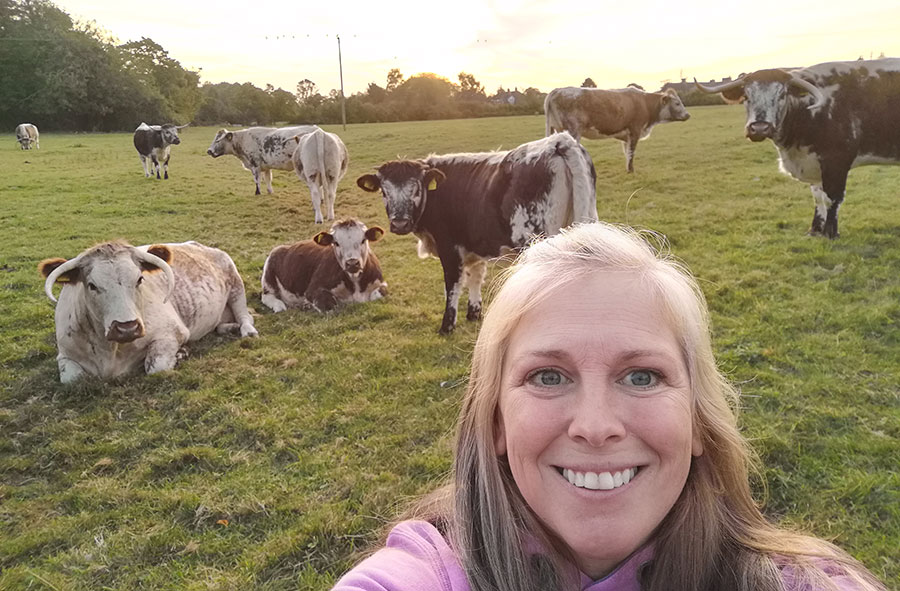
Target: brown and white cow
[(154, 143), (824, 120), (123, 306), (27, 135), (260, 149), (321, 161), (332, 268), (628, 114), (467, 208)]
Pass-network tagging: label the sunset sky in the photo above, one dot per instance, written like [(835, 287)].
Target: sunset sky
[(505, 43)]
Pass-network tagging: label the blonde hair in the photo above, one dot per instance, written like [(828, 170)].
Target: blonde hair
[(715, 537)]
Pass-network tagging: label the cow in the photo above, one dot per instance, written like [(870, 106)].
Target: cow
[(321, 160), (824, 120), (153, 143), (627, 114), (27, 134), (123, 306), (468, 208), (260, 149)]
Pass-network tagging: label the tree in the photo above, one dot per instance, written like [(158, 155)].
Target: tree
[(306, 88), (425, 96), (394, 79), (375, 94), (588, 83), (470, 89)]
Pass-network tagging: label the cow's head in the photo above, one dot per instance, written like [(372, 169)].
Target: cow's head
[(221, 144), (350, 241), (169, 134), (110, 279), (768, 94), (671, 108), (404, 186)]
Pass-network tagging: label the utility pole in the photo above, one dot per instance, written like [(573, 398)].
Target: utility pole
[(341, 70)]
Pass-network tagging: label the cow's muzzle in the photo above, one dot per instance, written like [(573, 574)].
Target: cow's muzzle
[(759, 131), (353, 266), (401, 226), (125, 332), (213, 154)]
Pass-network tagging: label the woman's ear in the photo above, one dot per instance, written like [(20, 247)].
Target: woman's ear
[(499, 434)]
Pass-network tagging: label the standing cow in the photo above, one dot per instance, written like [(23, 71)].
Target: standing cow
[(467, 208), (260, 149), (628, 114), (123, 306), (27, 134), (153, 143), (321, 161), (334, 267), (824, 120)]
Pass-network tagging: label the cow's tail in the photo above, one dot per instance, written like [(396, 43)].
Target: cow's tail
[(582, 178), (549, 114), (321, 163)]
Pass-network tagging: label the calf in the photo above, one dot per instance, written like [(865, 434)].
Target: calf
[(310, 274), (321, 160), (260, 149), (27, 134), (153, 143), (467, 208)]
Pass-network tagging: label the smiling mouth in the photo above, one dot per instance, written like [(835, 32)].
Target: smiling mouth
[(598, 481)]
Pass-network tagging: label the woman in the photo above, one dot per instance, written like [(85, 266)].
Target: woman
[(597, 448)]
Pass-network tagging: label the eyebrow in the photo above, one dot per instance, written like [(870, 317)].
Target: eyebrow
[(625, 357)]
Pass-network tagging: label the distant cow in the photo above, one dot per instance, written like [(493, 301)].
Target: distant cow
[(321, 161), (467, 208), (628, 114), (27, 134), (117, 311), (334, 267), (260, 149), (824, 120), (153, 143)]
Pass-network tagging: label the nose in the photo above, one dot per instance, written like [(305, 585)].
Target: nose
[(686, 116), (759, 130), (401, 226), (352, 266), (125, 332), (596, 419), (176, 141)]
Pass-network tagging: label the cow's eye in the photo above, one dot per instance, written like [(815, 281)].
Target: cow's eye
[(91, 286)]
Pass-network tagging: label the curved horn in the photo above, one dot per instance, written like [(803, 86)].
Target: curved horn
[(158, 262), (54, 275), (720, 87), (812, 89), (182, 126)]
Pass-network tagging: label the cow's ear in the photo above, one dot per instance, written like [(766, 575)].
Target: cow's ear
[(433, 177), (374, 234), (369, 182), (323, 239), (229, 136), (158, 250), (47, 266), (666, 98), (734, 95)]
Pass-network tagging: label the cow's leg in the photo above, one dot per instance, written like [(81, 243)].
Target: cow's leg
[(629, 146), (162, 354), (821, 203), (155, 159), (272, 301), (453, 270), (323, 300), (144, 165), (474, 275), (834, 183), (268, 175), (315, 195), (330, 194), (166, 167), (69, 370), (236, 316), (256, 175)]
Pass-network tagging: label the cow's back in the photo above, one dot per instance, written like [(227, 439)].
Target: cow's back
[(293, 266)]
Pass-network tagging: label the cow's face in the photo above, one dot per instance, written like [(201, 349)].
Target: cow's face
[(350, 242), (169, 135), (672, 108), (221, 144), (404, 186), (766, 102)]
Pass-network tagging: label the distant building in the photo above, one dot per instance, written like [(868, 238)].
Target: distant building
[(508, 97)]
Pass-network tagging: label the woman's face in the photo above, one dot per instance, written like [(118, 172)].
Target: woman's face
[(595, 417)]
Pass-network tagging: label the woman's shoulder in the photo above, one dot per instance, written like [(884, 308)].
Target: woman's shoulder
[(823, 575), (415, 557)]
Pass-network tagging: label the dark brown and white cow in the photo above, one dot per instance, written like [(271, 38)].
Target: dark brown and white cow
[(123, 306), (824, 120), (628, 114), (27, 135), (334, 267), (321, 161), (260, 149), (467, 208), (153, 143)]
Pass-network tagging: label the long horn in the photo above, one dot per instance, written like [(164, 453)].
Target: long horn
[(54, 275), (182, 126), (158, 262), (720, 87), (812, 89)]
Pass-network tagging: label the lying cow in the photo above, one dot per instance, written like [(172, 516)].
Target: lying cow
[(27, 135), (334, 267), (628, 114), (321, 161), (467, 208), (260, 149), (123, 306), (824, 120), (153, 143)]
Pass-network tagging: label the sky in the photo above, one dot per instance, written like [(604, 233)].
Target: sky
[(503, 43)]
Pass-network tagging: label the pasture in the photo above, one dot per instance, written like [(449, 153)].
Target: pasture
[(270, 463)]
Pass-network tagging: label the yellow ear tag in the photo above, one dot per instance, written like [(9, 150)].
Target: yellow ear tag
[(432, 185)]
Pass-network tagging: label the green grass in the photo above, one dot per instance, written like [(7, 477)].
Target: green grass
[(310, 438)]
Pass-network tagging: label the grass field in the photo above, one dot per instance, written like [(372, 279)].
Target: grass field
[(268, 463)]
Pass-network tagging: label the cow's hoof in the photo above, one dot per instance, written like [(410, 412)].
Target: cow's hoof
[(182, 354), (473, 313), (446, 330), (248, 330)]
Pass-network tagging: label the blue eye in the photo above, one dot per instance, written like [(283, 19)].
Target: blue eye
[(642, 378), (547, 378)]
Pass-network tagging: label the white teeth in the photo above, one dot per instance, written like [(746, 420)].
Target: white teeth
[(599, 481)]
